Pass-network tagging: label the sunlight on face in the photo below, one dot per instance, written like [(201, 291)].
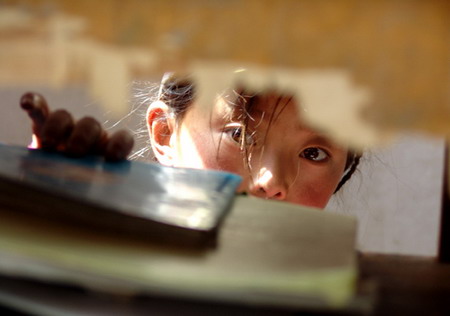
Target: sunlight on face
[(283, 159), (264, 176)]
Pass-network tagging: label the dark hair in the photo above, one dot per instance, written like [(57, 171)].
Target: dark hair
[(178, 94), (351, 164)]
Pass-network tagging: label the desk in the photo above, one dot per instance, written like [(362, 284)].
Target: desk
[(400, 285), (408, 285)]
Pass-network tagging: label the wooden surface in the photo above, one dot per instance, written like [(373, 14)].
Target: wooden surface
[(408, 285)]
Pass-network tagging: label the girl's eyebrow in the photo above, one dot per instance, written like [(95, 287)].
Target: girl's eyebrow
[(316, 138)]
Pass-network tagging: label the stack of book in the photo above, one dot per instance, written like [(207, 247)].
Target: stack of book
[(132, 228)]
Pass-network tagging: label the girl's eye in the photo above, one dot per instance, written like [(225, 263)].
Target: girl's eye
[(236, 134), (315, 154)]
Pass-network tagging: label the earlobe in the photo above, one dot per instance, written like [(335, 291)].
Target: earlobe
[(161, 128)]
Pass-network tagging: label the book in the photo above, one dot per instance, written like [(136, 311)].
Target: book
[(145, 200), (267, 253)]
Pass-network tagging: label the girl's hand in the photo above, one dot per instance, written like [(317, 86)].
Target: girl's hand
[(57, 130)]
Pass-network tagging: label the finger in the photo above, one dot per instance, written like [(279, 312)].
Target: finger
[(36, 107), (100, 147), (119, 146), (84, 137), (56, 130)]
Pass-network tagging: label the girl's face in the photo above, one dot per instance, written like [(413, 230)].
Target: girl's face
[(283, 160)]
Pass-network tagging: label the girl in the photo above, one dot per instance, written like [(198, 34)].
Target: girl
[(260, 137)]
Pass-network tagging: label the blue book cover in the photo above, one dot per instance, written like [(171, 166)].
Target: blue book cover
[(132, 198)]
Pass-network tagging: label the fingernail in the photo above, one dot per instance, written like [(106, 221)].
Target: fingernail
[(27, 101)]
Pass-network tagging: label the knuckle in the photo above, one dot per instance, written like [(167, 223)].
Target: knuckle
[(85, 135), (36, 107), (89, 122), (119, 146), (56, 129)]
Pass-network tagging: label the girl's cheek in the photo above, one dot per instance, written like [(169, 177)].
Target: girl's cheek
[(215, 154), (311, 199), (314, 187), (230, 163)]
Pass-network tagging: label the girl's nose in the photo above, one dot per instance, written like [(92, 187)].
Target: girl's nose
[(269, 186)]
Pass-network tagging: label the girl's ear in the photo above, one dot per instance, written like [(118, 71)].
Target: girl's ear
[(161, 128)]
